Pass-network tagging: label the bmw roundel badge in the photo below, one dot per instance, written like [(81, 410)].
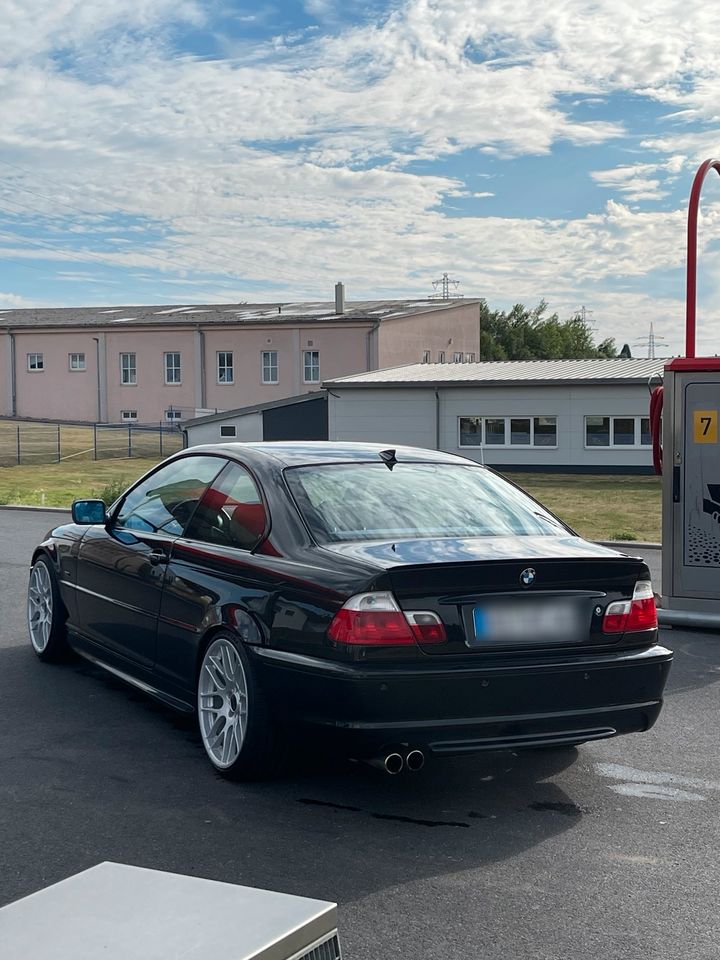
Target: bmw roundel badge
[(527, 577)]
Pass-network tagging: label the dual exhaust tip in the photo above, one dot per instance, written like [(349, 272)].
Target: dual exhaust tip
[(395, 761)]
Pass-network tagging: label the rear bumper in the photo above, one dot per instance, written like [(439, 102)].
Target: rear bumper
[(465, 708)]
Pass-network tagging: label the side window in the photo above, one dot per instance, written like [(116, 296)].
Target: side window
[(166, 500), (231, 513)]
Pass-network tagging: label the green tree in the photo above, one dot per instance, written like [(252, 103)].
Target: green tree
[(528, 334)]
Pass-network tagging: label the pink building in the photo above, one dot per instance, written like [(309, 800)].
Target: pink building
[(155, 363)]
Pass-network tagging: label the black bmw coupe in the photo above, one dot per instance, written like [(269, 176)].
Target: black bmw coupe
[(396, 604)]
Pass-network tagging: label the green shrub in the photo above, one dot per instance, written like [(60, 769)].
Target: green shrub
[(112, 490)]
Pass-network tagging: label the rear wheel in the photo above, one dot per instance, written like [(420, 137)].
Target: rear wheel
[(46, 613), (235, 724)]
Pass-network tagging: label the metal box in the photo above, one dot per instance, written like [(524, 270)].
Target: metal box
[(119, 912), (691, 493)]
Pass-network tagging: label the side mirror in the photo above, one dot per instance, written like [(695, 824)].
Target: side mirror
[(89, 511)]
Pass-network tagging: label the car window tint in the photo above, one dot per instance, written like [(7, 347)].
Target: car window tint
[(366, 501), (231, 513), (166, 500)]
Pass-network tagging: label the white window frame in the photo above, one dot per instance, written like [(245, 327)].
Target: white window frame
[(507, 446), (267, 368), (457, 357), (227, 426), (38, 362), (469, 358), (128, 416), (224, 368), (75, 364), (637, 442), (441, 356), (427, 354), (311, 366), (173, 415), (174, 368), (130, 367)]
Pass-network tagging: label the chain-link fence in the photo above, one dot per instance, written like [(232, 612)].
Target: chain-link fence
[(31, 442)]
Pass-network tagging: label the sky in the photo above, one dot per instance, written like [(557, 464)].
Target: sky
[(178, 151)]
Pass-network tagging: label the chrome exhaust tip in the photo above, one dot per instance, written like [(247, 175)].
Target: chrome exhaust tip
[(393, 763), (415, 760)]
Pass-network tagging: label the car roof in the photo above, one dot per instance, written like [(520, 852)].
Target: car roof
[(305, 452)]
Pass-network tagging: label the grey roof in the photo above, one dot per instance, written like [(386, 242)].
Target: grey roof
[(255, 408), (174, 315), (546, 372)]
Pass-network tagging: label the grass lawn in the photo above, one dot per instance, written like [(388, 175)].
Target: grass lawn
[(598, 507), (58, 484)]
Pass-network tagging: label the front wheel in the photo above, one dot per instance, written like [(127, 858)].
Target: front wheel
[(46, 613), (235, 724)]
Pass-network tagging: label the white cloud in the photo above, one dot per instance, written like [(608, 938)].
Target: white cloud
[(290, 161)]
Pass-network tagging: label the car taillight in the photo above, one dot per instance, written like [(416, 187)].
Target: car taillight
[(375, 619), (633, 615)]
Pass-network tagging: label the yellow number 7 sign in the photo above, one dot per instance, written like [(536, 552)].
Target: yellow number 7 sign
[(705, 426)]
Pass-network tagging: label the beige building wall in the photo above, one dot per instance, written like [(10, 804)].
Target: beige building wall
[(151, 396), (56, 392), (97, 393), (342, 351), (453, 330)]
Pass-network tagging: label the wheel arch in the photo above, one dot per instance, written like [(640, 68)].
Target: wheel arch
[(45, 551), (245, 629)]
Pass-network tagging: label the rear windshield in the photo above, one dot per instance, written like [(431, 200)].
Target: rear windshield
[(367, 501)]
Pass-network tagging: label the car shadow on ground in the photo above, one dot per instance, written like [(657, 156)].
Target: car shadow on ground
[(102, 772)]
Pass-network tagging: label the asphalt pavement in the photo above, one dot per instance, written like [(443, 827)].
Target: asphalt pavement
[(606, 851)]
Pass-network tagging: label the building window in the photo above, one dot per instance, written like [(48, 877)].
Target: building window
[(172, 368), (469, 358), (224, 366), (228, 431), (172, 414), (495, 431), (507, 431), (128, 415), (645, 434), (269, 366), (128, 369), (441, 356), (76, 361), (311, 366), (613, 432), (35, 362), (426, 356), (457, 357)]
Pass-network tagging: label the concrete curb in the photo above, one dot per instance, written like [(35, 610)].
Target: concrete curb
[(20, 506)]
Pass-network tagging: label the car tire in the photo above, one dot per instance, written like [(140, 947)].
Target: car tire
[(46, 613), (236, 726)]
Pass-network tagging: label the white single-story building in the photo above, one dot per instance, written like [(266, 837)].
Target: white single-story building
[(550, 415), (295, 418)]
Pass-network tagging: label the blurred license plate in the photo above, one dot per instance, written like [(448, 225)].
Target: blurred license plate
[(527, 621)]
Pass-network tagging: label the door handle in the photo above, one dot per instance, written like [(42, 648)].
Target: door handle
[(157, 556), (676, 484)]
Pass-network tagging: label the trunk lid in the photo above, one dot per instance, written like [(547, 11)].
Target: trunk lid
[(501, 593)]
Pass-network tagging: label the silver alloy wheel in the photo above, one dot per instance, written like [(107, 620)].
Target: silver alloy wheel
[(222, 703), (40, 607)]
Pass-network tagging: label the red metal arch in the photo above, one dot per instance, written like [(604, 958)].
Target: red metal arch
[(691, 286)]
